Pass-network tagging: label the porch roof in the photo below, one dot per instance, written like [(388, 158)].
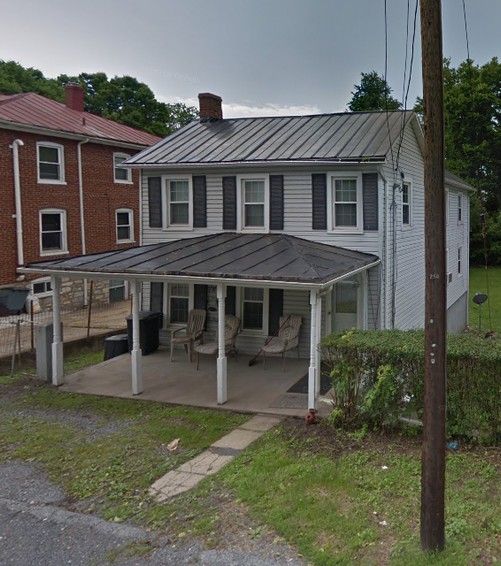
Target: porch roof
[(250, 259)]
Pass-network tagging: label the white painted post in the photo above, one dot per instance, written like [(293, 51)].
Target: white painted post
[(222, 365), (312, 396), (57, 342), (136, 354), (317, 350)]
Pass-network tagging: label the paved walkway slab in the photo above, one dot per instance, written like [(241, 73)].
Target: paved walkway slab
[(210, 461)]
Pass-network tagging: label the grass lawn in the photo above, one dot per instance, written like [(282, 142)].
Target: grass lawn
[(338, 498), (487, 282)]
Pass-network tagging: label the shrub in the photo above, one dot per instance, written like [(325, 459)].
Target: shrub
[(378, 377)]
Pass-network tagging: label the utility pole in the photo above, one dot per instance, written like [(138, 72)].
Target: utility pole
[(433, 453)]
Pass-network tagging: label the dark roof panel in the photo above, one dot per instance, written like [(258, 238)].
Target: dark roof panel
[(355, 136), (260, 257)]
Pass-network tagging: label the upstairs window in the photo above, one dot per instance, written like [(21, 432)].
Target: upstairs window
[(460, 256), (179, 203), (50, 162), (52, 232), (121, 174), (125, 225), (346, 203), (460, 209), (406, 204), (253, 203)]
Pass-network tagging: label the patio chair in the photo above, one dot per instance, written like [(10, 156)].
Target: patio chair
[(231, 328), (193, 331), (286, 339)]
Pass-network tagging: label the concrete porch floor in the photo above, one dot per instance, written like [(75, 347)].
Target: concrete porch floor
[(250, 389)]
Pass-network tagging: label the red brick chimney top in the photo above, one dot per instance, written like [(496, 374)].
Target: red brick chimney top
[(74, 96), (210, 106)]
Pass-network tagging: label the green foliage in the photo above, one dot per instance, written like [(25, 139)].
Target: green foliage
[(373, 94), (123, 99), (486, 281), (390, 374)]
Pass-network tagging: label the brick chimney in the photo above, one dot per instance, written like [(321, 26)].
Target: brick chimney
[(210, 106), (74, 96)]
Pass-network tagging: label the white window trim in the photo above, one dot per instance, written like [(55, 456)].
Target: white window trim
[(167, 297), (44, 293), (127, 181), (240, 313), (64, 231), (460, 207), (166, 199), (331, 226), (407, 226), (240, 203), (130, 212), (459, 262), (60, 148)]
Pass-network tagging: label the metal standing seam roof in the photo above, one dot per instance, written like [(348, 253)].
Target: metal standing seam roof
[(354, 136), (31, 109), (271, 258)]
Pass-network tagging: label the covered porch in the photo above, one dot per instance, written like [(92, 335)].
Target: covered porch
[(249, 389), (266, 262)]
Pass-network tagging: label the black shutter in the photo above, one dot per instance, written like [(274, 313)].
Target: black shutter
[(276, 310), (155, 201), (276, 202), (200, 299), (157, 296), (319, 201), (231, 300), (370, 200), (229, 203), (199, 201)]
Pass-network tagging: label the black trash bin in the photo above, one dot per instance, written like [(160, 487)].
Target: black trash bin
[(149, 330), (115, 346)]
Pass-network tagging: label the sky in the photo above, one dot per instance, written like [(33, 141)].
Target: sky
[(263, 57)]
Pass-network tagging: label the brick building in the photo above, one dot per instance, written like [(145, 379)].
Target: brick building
[(63, 190)]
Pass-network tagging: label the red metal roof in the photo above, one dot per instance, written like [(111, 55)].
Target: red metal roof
[(31, 109)]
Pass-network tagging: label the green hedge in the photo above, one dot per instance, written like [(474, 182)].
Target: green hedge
[(388, 369)]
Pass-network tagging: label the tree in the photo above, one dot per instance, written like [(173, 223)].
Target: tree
[(123, 99), (373, 94)]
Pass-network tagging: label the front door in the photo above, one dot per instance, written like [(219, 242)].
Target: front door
[(345, 303)]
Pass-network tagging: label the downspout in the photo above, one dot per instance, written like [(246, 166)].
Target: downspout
[(82, 215), (394, 255), (19, 214)]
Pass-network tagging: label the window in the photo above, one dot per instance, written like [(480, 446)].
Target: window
[(253, 309), (179, 302), (460, 255), (52, 232), (345, 202), (50, 157), (406, 204), (460, 209), (121, 174), (41, 287), (253, 204), (179, 208), (125, 225)]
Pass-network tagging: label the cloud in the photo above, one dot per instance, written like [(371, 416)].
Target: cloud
[(243, 110)]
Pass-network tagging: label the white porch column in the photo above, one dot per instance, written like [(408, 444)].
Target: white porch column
[(319, 334), (136, 354), (57, 341), (312, 370), (222, 365)]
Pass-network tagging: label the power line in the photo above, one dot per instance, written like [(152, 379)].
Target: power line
[(466, 30)]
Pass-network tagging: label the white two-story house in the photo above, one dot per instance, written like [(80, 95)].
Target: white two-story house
[(321, 216)]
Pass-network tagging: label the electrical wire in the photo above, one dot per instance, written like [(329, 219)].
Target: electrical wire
[(466, 30)]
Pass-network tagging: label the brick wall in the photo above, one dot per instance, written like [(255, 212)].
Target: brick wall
[(102, 196)]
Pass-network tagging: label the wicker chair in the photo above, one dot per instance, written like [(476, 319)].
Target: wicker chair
[(286, 339), (193, 331), (231, 328)]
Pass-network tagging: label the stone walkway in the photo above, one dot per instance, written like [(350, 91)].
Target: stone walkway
[(213, 459)]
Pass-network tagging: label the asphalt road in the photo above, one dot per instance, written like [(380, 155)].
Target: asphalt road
[(37, 530)]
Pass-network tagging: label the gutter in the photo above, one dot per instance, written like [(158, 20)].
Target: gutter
[(82, 215), (240, 282), (18, 204)]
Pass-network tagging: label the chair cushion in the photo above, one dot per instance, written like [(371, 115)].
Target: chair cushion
[(210, 348)]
